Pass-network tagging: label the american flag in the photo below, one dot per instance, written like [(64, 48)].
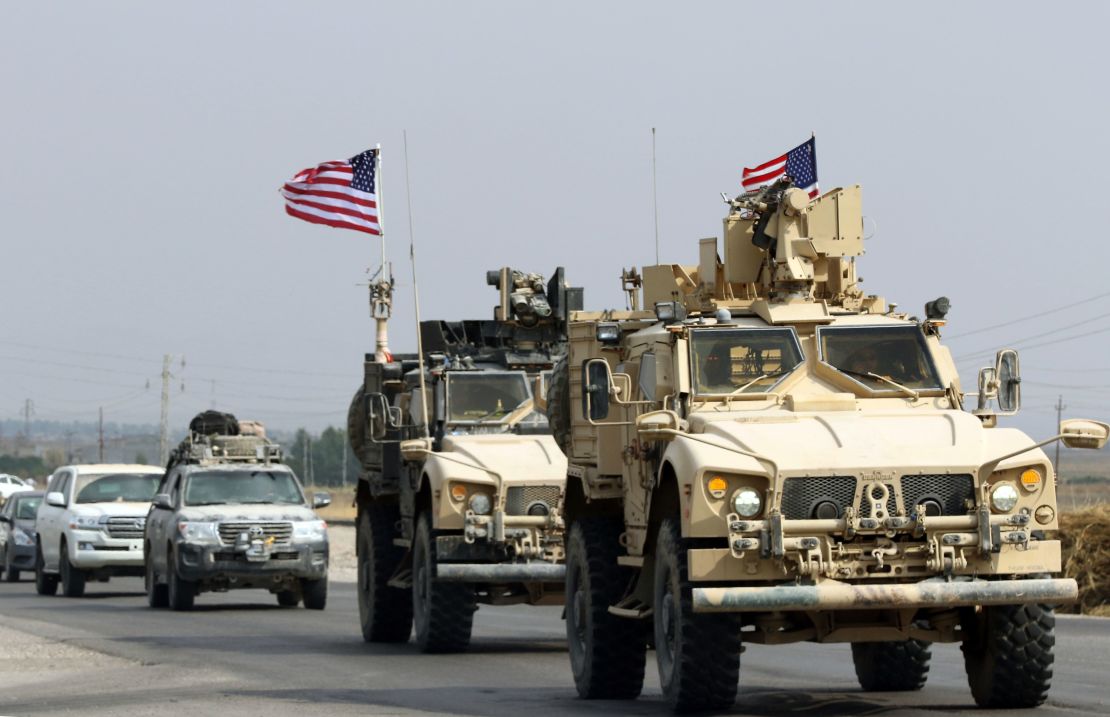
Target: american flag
[(339, 193), (800, 163)]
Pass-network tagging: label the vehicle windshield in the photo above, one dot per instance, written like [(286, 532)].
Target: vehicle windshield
[(242, 486), (27, 508), (729, 361), (870, 354), (116, 487), (481, 396)]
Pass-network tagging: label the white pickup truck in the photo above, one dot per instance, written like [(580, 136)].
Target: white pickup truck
[(90, 525)]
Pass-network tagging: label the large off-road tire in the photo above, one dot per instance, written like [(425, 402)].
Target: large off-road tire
[(892, 666), (698, 654), (385, 612), (315, 593), (182, 593), (73, 578), (558, 404), (45, 584), (356, 427), (157, 595), (288, 598), (607, 653), (1008, 654), (442, 613)]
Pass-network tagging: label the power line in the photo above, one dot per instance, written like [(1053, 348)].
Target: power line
[(1054, 342), (1026, 318), (1057, 330)]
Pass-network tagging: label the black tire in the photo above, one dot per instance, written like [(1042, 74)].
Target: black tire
[(698, 654), (607, 653), (73, 579), (892, 666), (288, 598), (157, 595), (384, 612), (558, 405), (11, 575), (45, 584), (315, 593), (1008, 654), (443, 613), (182, 593)]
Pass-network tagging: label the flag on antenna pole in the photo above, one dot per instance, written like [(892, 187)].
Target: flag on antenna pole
[(340, 193), (800, 163)]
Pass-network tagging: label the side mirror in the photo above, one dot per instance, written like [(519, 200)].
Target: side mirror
[(1007, 371), (5, 519), (163, 501), (595, 389), (657, 425), (321, 500), (56, 499), (1084, 433), (415, 449)]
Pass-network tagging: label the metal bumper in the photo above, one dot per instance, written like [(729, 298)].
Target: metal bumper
[(501, 572), (832, 595), (199, 563)]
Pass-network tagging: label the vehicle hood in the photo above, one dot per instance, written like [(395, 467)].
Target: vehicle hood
[(111, 510), (519, 459), (831, 441), (247, 512)]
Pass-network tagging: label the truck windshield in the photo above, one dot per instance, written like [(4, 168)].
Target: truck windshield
[(244, 486), (116, 487), (882, 358), (481, 396), (729, 361)]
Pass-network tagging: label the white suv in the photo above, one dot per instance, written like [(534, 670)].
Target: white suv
[(90, 525), (10, 484)]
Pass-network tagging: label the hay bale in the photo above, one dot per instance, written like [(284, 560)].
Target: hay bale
[(1086, 546)]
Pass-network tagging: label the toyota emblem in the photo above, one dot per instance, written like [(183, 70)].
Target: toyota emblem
[(256, 531)]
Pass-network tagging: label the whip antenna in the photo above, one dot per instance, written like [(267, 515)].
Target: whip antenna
[(415, 293)]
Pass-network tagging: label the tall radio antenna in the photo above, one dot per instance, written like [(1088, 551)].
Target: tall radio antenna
[(416, 293), (654, 196)]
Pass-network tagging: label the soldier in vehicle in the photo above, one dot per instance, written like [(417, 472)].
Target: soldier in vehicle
[(716, 373)]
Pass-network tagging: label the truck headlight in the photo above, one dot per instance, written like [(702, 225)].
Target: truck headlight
[(1004, 497), (747, 503), (315, 530), (480, 503), (198, 532), (85, 522)]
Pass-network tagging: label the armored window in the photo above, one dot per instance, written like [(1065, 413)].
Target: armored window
[(882, 359), (731, 361), (647, 376), (486, 396)]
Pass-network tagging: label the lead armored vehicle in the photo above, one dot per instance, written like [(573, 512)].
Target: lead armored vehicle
[(769, 455), (461, 489), (228, 514)]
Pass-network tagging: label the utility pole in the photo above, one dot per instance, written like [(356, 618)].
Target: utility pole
[(101, 435), (28, 411), (1059, 415), (164, 436)]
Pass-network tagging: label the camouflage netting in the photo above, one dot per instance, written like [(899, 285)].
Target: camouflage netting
[(1086, 537)]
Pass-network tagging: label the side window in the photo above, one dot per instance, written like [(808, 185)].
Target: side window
[(647, 376), (4, 479), (63, 484), (55, 481), (175, 486)]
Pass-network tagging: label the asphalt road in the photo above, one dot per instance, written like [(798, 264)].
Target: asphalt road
[(240, 654)]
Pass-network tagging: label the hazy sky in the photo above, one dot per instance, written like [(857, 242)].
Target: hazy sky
[(144, 144)]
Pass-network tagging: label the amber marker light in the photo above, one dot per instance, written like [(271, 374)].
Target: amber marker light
[(1031, 479), (717, 486), (458, 492)]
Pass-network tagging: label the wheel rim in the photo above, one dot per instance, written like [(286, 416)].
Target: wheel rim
[(666, 625), (576, 617)]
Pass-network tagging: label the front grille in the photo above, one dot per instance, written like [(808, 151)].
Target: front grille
[(801, 495), (227, 556), (519, 497), (126, 528), (280, 532), (952, 492)]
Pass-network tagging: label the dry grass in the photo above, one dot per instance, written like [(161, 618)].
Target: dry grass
[(1086, 541), (342, 503)]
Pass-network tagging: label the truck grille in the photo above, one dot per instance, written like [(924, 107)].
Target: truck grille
[(952, 492), (800, 496), (280, 532), (126, 528), (518, 498)]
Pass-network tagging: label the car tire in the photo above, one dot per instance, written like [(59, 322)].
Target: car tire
[(73, 578), (1008, 654), (315, 593), (891, 666), (182, 593), (157, 595), (288, 598), (442, 613), (607, 653), (45, 584), (11, 575), (384, 612)]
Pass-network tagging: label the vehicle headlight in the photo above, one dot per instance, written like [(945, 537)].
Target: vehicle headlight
[(85, 522), (480, 503), (747, 503), (1004, 497), (310, 530), (22, 537), (198, 532)]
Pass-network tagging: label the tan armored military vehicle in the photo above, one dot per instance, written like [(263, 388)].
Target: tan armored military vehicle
[(772, 456), (460, 495)]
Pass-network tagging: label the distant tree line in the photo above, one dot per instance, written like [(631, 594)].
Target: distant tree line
[(318, 460)]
